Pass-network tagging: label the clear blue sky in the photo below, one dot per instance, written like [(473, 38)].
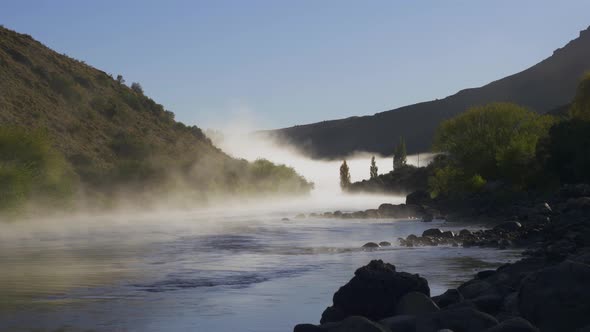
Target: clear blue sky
[(292, 62)]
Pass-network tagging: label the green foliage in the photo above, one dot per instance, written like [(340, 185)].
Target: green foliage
[(30, 168), (344, 176), (373, 170), (400, 154), (581, 105), (497, 141), (270, 178), (566, 151)]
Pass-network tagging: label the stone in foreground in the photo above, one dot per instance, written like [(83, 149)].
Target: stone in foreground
[(374, 292)]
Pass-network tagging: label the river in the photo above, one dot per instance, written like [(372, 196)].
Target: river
[(207, 270)]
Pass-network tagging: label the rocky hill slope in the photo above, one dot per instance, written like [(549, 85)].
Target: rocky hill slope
[(543, 87)]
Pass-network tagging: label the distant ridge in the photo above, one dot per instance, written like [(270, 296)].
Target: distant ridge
[(544, 87)]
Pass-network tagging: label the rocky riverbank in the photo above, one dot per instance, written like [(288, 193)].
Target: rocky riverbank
[(548, 290)]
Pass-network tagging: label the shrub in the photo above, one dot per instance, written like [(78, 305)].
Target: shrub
[(566, 151), (31, 168), (137, 88), (581, 105), (496, 141)]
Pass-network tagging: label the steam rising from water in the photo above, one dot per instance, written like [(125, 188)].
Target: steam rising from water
[(238, 141)]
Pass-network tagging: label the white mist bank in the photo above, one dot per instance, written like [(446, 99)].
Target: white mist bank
[(238, 141)]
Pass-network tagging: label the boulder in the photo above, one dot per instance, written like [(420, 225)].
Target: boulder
[(385, 244), (415, 303), (447, 235), (489, 303), (557, 298), (373, 292), (307, 328), (370, 245), (448, 298), (574, 190), (508, 226), (484, 274), (516, 324), (465, 232), (350, 324), (433, 232), (400, 323), (579, 203), (474, 288), (464, 320), (285, 219)]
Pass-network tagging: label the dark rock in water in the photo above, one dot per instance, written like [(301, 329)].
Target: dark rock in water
[(427, 217), (332, 314), (435, 232), (516, 324), (374, 292), (465, 232), (557, 298), (574, 190), (385, 244), (308, 328), (510, 304), (400, 323), (451, 296), (508, 226), (370, 245), (484, 274), (285, 219), (473, 289), (464, 320), (401, 211), (411, 237), (489, 303), (580, 203), (447, 235), (350, 324), (415, 303), (337, 214)]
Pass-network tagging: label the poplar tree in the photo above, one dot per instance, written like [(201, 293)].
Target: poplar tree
[(373, 169), (344, 176)]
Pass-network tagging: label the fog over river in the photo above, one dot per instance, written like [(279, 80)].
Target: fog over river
[(233, 267)]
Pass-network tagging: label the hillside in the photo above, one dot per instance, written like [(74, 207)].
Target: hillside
[(543, 87), (113, 136)]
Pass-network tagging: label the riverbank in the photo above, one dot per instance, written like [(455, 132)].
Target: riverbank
[(547, 290)]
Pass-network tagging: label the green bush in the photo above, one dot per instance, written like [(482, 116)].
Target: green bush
[(30, 168), (495, 142), (566, 152), (581, 105)]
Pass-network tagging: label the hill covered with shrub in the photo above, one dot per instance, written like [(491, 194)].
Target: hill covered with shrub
[(67, 124)]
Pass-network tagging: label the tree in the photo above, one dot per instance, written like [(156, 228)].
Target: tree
[(120, 79), (344, 176), (135, 86), (580, 108), (400, 154), (565, 153), (373, 169), (496, 141)]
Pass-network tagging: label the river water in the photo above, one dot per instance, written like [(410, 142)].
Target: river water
[(211, 270)]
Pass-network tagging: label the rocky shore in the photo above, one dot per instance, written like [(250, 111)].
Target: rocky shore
[(548, 290)]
